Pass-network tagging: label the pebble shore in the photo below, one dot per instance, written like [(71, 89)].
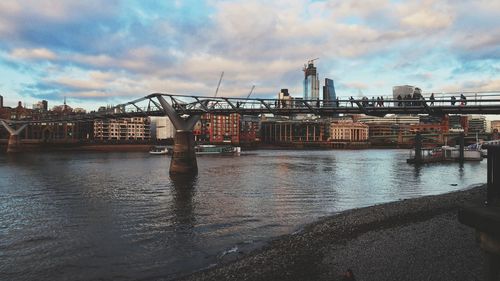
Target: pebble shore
[(415, 239)]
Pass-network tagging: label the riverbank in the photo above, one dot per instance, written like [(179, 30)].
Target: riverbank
[(416, 239), (83, 147)]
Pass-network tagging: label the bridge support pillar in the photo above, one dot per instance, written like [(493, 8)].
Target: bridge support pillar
[(461, 141), (418, 148), (14, 144), (184, 156)]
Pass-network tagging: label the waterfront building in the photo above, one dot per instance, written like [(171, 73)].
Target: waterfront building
[(458, 123), (297, 102), (136, 128), (348, 131), (249, 129), (392, 119), (284, 99), (402, 91), (19, 112), (62, 109), (55, 132), (161, 128), (41, 106), (400, 129), (215, 129), (4, 111), (477, 124), (79, 110), (294, 132), (495, 126), (311, 81), (329, 95)]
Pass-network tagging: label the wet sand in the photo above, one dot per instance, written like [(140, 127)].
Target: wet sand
[(416, 239)]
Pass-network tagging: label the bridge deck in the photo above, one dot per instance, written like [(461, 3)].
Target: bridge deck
[(479, 103)]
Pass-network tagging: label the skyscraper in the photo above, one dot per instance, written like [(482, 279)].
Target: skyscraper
[(329, 94), (1, 101), (311, 81)]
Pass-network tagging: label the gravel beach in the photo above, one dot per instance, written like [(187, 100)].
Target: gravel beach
[(416, 239)]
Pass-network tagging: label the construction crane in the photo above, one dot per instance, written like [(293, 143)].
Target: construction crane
[(218, 85), (251, 91), (308, 63), (312, 61)]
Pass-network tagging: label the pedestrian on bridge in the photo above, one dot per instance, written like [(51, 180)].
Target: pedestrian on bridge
[(432, 99), (352, 101), (463, 100), (453, 99)]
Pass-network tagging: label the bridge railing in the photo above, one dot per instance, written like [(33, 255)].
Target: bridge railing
[(474, 102), (194, 103)]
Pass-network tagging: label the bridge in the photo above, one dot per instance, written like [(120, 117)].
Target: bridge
[(184, 111)]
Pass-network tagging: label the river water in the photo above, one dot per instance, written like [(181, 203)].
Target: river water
[(94, 216)]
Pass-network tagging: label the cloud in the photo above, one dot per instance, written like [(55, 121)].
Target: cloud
[(33, 54), (474, 86), (112, 50), (430, 15)]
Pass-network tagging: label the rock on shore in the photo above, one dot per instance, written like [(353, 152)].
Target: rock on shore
[(416, 239)]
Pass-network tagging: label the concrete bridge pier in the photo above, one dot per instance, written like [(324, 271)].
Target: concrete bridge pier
[(14, 144), (184, 156)]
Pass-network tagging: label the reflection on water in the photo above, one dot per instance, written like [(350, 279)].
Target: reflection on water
[(121, 216), (183, 192)]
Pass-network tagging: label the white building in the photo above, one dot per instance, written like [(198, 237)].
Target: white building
[(136, 128), (394, 119), (477, 124), (402, 91), (162, 128), (348, 131)]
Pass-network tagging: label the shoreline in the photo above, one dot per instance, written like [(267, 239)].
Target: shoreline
[(78, 147), (318, 250), (84, 148)]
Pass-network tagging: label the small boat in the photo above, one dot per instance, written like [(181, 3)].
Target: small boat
[(217, 149), (483, 146), (478, 147), (159, 150)]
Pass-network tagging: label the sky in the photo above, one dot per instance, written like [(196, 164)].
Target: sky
[(109, 52)]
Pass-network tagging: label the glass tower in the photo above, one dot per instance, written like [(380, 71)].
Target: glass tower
[(311, 82), (329, 94)]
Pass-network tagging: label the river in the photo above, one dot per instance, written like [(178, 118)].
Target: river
[(120, 216)]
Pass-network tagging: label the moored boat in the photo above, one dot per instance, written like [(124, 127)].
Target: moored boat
[(217, 149), (160, 150)]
